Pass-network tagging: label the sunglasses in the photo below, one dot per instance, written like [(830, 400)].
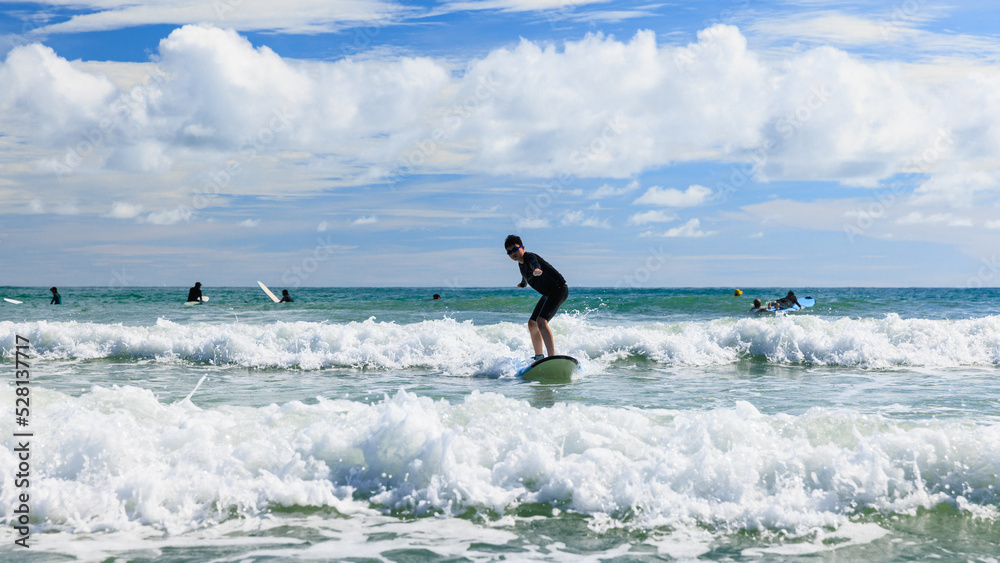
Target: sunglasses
[(513, 250)]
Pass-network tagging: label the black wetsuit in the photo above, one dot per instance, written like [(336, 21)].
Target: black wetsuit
[(787, 301), (194, 294), (550, 284)]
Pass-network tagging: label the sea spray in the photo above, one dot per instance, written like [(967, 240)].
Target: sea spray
[(117, 459), (466, 348)]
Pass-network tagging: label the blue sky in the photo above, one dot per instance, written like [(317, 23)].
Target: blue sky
[(365, 143)]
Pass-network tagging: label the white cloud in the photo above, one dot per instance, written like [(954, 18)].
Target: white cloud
[(250, 223), (62, 208), (829, 27), (691, 229), (365, 220), (49, 97), (652, 216), (958, 187), (993, 224), (898, 220), (532, 110), (123, 210), (578, 218), (168, 216), (898, 29), (670, 197), (517, 5), (608, 190), (532, 223), (918, 218), (289, 16)]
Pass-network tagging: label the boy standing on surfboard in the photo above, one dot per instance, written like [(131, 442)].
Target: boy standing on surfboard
[(546, 280)]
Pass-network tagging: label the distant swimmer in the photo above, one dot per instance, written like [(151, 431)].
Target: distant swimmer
[(194, 294), (544, 279), (436, 297), (757, 307), (285, 297), (56, 298), (787, 301)]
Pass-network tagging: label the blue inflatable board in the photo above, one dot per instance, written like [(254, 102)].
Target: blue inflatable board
[(552, 369), (805, 302)]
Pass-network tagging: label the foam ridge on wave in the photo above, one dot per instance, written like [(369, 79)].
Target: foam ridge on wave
[(118, 459), (466, 348)]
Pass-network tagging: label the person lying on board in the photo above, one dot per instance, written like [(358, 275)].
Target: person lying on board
[(787, 301)]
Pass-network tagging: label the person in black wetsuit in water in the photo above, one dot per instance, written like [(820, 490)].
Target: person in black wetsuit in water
[(544, 279), (194, 294), (787, 301)]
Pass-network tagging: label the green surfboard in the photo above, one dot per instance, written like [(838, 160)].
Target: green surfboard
[(553, 369)]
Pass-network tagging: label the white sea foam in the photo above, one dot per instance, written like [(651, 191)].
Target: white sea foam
[(118, 460), (464, 348)]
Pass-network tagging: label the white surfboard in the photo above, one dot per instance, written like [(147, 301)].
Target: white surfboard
[(268, 292), (14, 301), (551, 369), (203, 299)]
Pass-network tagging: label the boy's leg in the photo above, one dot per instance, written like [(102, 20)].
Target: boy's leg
[(536, 336), (545, 335), (545, 310)]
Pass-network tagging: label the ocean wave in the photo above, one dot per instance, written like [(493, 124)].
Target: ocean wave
[(464, 348), (118, 459)]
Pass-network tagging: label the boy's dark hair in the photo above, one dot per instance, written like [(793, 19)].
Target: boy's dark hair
[(512, 240)]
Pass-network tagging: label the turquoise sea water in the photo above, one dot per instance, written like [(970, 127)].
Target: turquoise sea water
[(378, 424)]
